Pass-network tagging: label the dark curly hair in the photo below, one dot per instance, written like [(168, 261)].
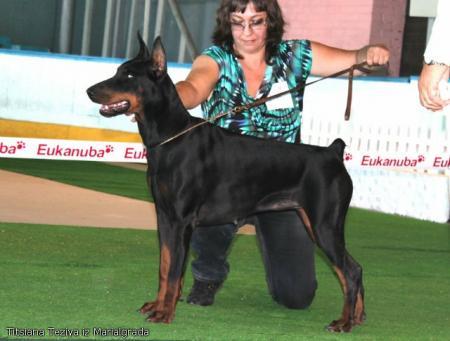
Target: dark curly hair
[(275, 24)]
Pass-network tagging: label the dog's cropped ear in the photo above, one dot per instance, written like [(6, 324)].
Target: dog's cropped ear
[(144, 53), (158, 58)]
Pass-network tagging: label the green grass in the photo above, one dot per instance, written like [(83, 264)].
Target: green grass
[(70, 277), (97, 176), (81, 278)]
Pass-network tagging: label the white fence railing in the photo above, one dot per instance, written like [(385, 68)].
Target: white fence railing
[(387, 119)]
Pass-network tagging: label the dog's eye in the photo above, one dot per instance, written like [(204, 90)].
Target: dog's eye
[(130, 75)]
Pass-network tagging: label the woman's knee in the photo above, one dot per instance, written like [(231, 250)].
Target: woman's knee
[(295, 299)]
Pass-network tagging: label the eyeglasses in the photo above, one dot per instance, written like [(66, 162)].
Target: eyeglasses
[(254, 25)]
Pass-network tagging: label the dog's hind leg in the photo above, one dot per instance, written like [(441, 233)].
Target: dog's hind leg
[(349, 273), (330, 238), (328, 233), (174, 245)]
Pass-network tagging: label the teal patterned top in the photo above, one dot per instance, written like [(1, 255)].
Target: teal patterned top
[(292, 64)]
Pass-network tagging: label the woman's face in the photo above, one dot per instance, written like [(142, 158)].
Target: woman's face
[(249, 29)]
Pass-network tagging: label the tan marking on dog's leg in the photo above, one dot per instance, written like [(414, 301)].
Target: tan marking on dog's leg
[(307, 223), (169, 292), (164, 266), (359, 309), (342, 279), (171, 299), (344, 323)]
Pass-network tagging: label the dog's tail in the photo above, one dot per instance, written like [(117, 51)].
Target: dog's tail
[(338, 147)]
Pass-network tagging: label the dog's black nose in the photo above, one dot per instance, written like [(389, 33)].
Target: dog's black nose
[(90, 93)]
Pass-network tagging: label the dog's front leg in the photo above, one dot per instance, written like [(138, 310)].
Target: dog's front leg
[(174, 243)]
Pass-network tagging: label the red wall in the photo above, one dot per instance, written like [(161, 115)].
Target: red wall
[(348, 24)]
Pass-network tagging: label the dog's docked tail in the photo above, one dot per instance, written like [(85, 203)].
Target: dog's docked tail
[(338, 147)]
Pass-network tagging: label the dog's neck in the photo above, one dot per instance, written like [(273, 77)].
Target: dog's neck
[(165, 119)]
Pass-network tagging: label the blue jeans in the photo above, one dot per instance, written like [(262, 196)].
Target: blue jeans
[(286, 248)]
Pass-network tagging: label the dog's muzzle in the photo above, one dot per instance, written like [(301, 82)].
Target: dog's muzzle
[(108, 110)]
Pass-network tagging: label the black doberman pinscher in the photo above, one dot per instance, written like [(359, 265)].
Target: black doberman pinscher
[(209, 176)]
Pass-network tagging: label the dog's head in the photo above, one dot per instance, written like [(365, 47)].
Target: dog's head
[(124, 92)]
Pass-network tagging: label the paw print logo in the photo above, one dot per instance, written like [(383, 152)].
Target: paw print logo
[(20, 145), (348, 157), (421, 158), (109, 149)]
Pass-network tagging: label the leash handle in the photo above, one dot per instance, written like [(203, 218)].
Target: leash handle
[(348, 107), (363, 67)]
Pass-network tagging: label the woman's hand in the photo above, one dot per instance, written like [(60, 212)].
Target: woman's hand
[(373, 55)]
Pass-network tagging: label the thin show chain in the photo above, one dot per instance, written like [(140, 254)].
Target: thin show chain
[(241, 108)]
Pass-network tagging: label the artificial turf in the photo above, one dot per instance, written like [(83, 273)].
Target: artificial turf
[(82, 278)]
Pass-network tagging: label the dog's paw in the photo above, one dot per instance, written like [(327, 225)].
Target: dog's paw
[(157, 312), (148, 307), (160, 317), (340, 326)]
